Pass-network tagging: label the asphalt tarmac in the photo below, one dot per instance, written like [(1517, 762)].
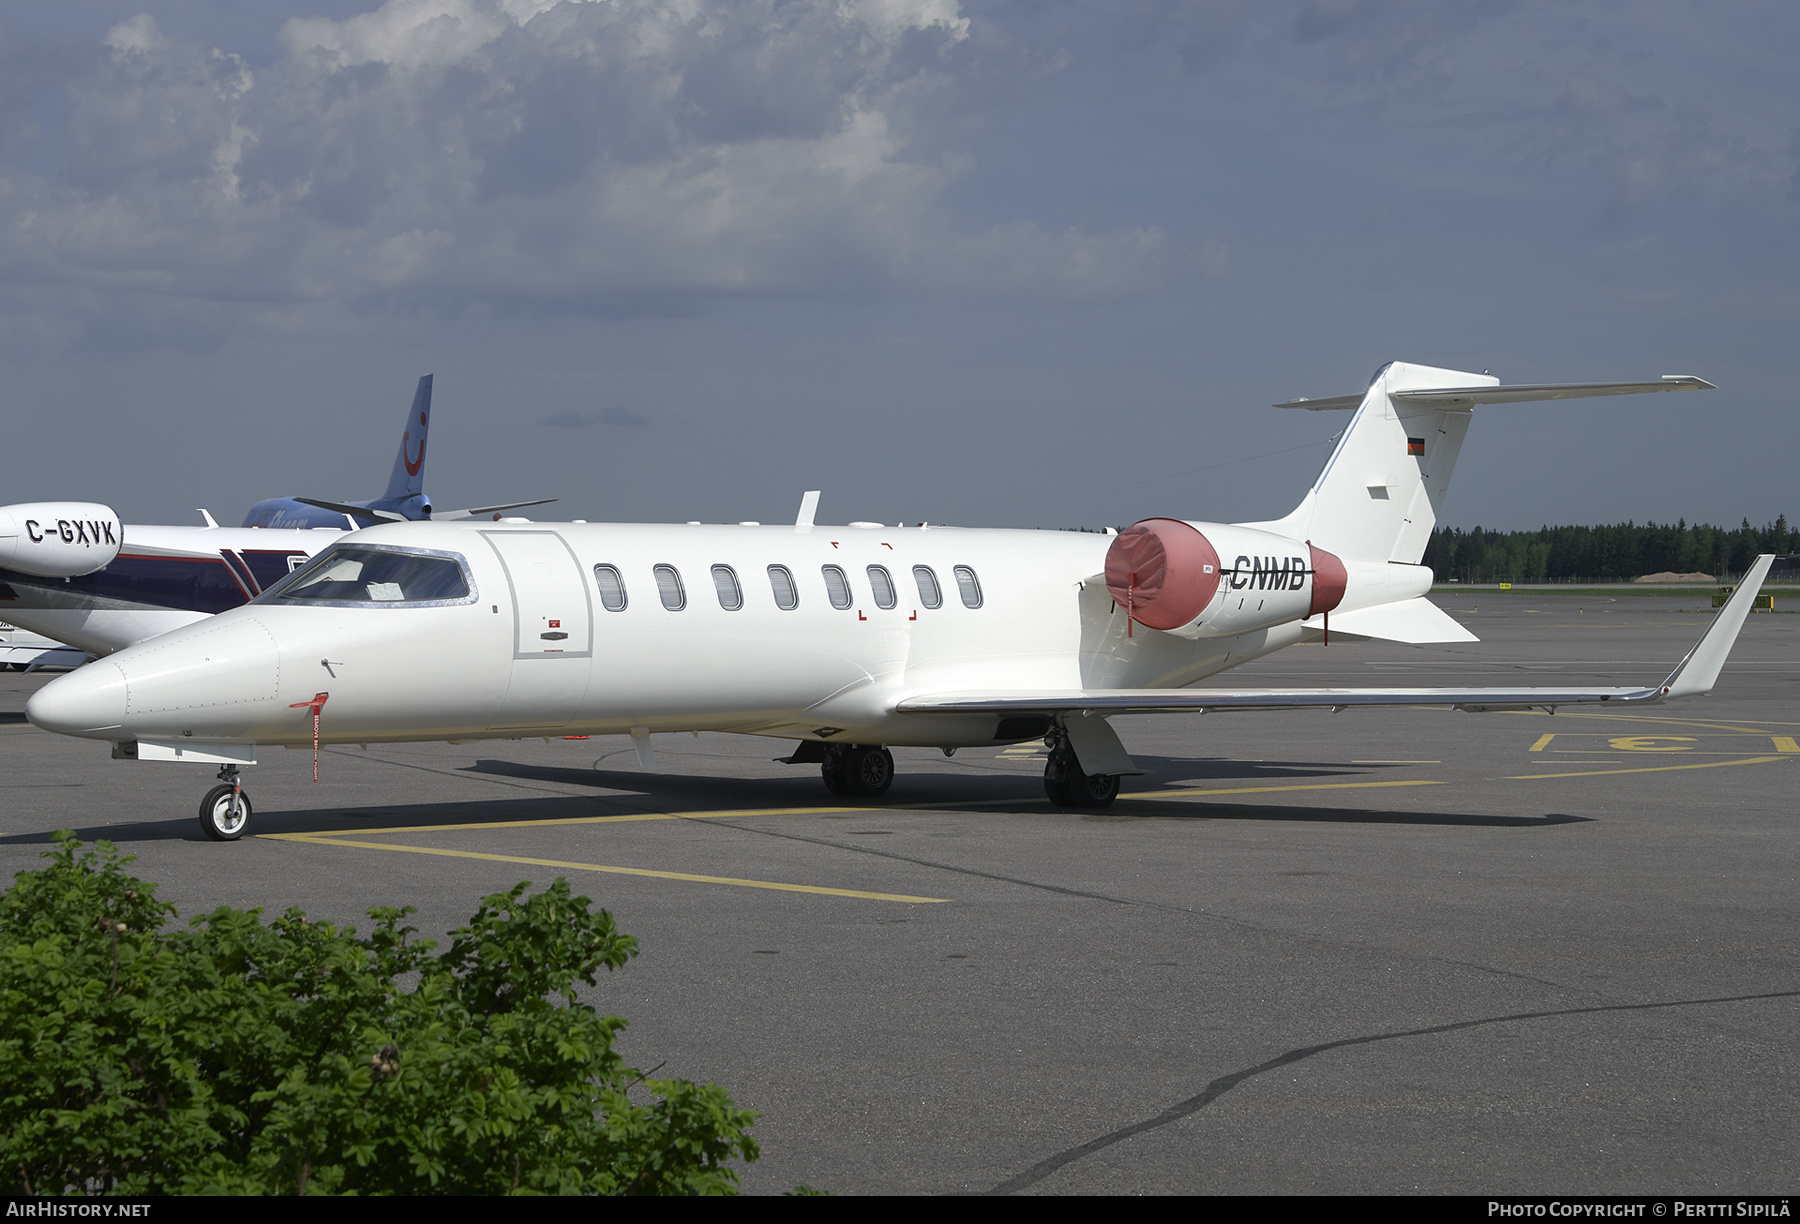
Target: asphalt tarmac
[(1381, 951)]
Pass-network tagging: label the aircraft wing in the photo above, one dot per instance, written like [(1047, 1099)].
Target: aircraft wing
[(355, 512), (1695, 675)]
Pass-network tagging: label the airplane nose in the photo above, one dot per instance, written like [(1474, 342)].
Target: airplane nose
[(89, 701)]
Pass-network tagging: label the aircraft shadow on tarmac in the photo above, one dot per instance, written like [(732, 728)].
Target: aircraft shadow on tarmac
[(998, 792)]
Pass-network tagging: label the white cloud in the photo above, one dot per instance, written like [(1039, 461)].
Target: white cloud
[(547, 155)]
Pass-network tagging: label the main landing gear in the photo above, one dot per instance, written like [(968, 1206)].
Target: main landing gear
[(862, 770), (225, 812), (1065, 782)]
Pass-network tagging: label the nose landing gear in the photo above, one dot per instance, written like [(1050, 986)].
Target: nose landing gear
[(1068, 785), (863, 770), (225, 812)]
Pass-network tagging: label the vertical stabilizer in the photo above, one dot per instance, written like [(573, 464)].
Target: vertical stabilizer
[(408, 479), (1379, 493)]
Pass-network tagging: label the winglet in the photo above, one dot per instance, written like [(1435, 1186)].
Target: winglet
[(1700, 669)]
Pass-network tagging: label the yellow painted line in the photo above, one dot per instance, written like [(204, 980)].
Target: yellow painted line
[(1673, 722), (1259, 790), (1543, 741), (1649, 769), (1785, 743), (637, 871), (569, 820)]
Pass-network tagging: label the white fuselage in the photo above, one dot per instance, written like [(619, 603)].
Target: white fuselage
[(534, 650)]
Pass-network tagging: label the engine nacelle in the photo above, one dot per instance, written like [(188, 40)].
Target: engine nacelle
[(1203, 580), (58, 539)]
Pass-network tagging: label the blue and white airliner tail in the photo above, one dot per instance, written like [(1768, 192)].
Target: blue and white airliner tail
[(404, 498)]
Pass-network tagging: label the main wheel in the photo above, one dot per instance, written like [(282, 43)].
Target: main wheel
[(1067, 786), (225, 815), (832, 769), (868, 770), (1092, 790)]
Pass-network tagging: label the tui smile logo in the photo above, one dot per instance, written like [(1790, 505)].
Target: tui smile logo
[(413, 465)]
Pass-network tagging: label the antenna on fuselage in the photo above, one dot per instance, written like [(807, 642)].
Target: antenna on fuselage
[(809, 506)]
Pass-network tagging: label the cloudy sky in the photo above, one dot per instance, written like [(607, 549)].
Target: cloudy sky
[(1032, 264)]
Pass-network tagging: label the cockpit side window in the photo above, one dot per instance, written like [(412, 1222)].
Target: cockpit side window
[(379, 576)]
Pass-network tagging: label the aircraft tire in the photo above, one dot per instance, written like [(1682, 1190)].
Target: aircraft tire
[(832, 770), (868, 770), (217, 818), (1093, 790)]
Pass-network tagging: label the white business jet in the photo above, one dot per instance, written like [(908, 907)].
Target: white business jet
[(848, 639)]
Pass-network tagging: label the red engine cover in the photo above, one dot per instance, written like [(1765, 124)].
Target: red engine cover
[(1163, 572), (1329, 580)]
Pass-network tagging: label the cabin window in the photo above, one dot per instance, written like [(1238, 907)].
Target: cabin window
[(837, 586), (883, 586), (377, 576), (787, 595), (725, 582), (929, 595), (668, 585), (968, 587), (612, 588)]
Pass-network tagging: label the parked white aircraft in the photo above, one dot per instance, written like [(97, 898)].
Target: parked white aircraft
[(73, 572), (22, 650), (848, 639)]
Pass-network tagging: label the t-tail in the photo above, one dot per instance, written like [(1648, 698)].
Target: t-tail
[(1379, 495), (1347, 559)]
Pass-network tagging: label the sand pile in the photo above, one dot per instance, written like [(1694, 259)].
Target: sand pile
[(1666, 576)]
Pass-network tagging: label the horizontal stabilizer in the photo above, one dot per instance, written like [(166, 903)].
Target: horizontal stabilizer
[(1500, 394), (1413, 621)]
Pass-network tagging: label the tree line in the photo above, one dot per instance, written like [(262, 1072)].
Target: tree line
[(1607, 553)]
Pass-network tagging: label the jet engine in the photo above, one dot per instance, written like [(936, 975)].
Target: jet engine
[(1204, 580), (58, 539)]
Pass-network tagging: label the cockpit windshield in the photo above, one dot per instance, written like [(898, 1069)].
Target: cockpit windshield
[(382, 576)]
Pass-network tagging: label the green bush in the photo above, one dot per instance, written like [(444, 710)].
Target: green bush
[(294, 1057)]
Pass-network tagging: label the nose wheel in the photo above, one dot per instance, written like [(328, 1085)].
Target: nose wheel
[(225, 812), (863, 770)]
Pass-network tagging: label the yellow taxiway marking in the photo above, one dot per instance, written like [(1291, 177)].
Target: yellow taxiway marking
[(1543, 742), (1649, 768), (1785, 743), (1259, 790), (573, 820), (636, 871), (1672, 722)]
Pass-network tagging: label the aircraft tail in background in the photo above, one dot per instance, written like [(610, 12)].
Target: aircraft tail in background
[(405, 497), (408, 479)]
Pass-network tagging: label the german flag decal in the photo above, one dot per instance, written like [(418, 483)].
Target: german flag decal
[(1415, 446)]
